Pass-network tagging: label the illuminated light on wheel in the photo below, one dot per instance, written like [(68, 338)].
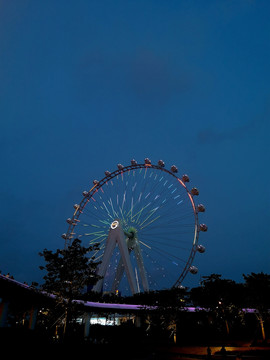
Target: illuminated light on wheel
[(158, 216), (114, 224)]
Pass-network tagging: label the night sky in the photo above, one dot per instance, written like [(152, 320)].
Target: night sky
[(85, 85)]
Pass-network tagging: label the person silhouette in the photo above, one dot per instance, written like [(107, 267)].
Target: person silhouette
[(223, 352)]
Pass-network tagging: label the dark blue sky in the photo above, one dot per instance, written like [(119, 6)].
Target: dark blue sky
[(85, 85)]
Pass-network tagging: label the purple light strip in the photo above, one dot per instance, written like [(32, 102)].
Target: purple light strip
[(114, 306)]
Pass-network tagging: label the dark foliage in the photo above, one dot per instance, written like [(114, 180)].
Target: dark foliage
[(69, 270)]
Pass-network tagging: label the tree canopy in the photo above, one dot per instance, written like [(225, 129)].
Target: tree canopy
[(69, 270)]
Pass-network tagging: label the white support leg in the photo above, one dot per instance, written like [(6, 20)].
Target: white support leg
[(110, 245), (127, 263), (116, 236), (141, 267), (120, 268), (119, 274)]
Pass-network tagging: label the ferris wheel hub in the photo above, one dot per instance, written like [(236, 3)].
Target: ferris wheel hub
[(114, 224), (131, 212), (131, 232)]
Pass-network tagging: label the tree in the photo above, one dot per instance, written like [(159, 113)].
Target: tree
[(170, 305), (167, 307), (223, 297), (69, 271), (258, 296)]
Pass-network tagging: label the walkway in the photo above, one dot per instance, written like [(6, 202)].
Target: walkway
[(200, 352)]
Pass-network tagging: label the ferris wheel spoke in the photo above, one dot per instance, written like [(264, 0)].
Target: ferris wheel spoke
[(163, 229), (149, 223), (167, 216), (144, 244), (151, 213), (145, 194), (166, 254), (167, 213), (159, 268), (96, 239), (95, 214), (173, 243), (154, 205), (158, 271), (100, 253), (163, 240), (170, 249)]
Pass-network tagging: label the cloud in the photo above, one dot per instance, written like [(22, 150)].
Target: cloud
[(252, 127), (144, 75), (152, 78)]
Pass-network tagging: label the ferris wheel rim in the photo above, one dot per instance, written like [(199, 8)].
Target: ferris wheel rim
[(99, 184)]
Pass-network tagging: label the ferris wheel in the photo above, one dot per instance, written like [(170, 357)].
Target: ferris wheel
[(145, 220)]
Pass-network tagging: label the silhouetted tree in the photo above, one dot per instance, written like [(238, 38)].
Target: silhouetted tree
[(223, 297), (258, 296), (166, 309), (69, 271)]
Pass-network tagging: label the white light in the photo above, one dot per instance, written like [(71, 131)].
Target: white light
[(114, 224)]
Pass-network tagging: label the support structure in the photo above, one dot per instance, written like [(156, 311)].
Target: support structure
[(87, 318), (3, 312), (32, 318), (132, 245), (126, 243)]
